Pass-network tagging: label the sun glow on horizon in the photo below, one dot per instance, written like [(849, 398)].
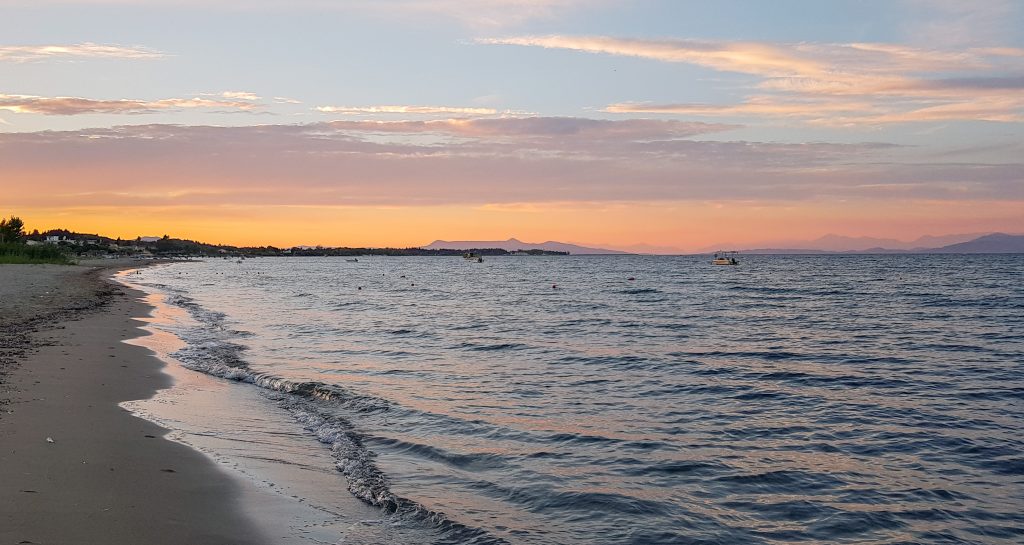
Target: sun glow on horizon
[(681, 226)]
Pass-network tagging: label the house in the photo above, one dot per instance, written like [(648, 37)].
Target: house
[(54, 239)]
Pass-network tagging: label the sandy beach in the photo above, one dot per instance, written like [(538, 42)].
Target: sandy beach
[(74, 466)]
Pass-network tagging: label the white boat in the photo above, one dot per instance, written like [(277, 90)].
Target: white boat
[(725, 258)]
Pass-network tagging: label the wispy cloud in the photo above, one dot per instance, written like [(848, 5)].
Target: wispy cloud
[(240, 95), (529, 131), (474, 161), (429, 110), (82, 51), (755, 106), (28, 104), (747, 57), (870, 83)]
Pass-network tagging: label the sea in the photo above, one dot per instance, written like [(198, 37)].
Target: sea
[(607, 399)]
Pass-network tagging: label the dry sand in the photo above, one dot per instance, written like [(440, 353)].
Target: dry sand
[(107, 477)]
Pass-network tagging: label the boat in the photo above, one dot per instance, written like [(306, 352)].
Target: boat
[(471, 255), (725, 258), (353, 260)]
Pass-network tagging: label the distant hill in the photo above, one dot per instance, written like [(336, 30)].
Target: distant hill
[(512, 245), (839, 243), (996, 243)]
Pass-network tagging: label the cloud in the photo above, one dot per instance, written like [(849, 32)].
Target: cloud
[(775, 60), (28, 104), (468, 162), (240, 95), (541, 131), (747, 57), (82, 51), (869, 83), (1007, 110), (432, 110), (758, 106)]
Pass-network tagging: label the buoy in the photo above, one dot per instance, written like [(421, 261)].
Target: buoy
[(554, 286), (359, 288)]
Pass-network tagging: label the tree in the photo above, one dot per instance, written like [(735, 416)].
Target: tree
[(11, 230)]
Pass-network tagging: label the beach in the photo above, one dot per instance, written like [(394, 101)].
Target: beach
[(317, 400), (74, 466)]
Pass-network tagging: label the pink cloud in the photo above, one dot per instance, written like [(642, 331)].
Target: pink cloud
[(406, 110), (869, 83), (82, 51), (27, 104), (488, 161)]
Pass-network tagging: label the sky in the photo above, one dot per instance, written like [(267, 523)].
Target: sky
[(657, 126)]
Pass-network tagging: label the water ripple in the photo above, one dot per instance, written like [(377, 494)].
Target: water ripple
[(810, 399)]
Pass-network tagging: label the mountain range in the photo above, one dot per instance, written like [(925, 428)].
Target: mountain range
[(970, 243), (993, 243), (840, 243)]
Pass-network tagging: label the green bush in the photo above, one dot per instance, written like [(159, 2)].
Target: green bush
[(23, 253)]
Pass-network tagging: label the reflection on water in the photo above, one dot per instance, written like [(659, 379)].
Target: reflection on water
[(793, 398)]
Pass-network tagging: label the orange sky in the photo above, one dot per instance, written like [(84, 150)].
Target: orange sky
[(686, 226)]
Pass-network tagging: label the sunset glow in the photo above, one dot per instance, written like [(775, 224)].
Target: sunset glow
[(650, 126)]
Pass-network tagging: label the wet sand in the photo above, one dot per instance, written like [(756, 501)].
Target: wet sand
[(74, 466)]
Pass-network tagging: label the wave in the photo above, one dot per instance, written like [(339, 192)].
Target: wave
[(213, 355)]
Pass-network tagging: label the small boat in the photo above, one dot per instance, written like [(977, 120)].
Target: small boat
[(353, 260), (472, 255), (725, 258)]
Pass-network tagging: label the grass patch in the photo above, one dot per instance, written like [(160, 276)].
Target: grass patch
[(11, 253)]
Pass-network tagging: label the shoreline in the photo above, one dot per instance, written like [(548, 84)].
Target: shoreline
[(75, 467)]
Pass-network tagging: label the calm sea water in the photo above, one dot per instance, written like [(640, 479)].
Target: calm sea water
[(529, 400)]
